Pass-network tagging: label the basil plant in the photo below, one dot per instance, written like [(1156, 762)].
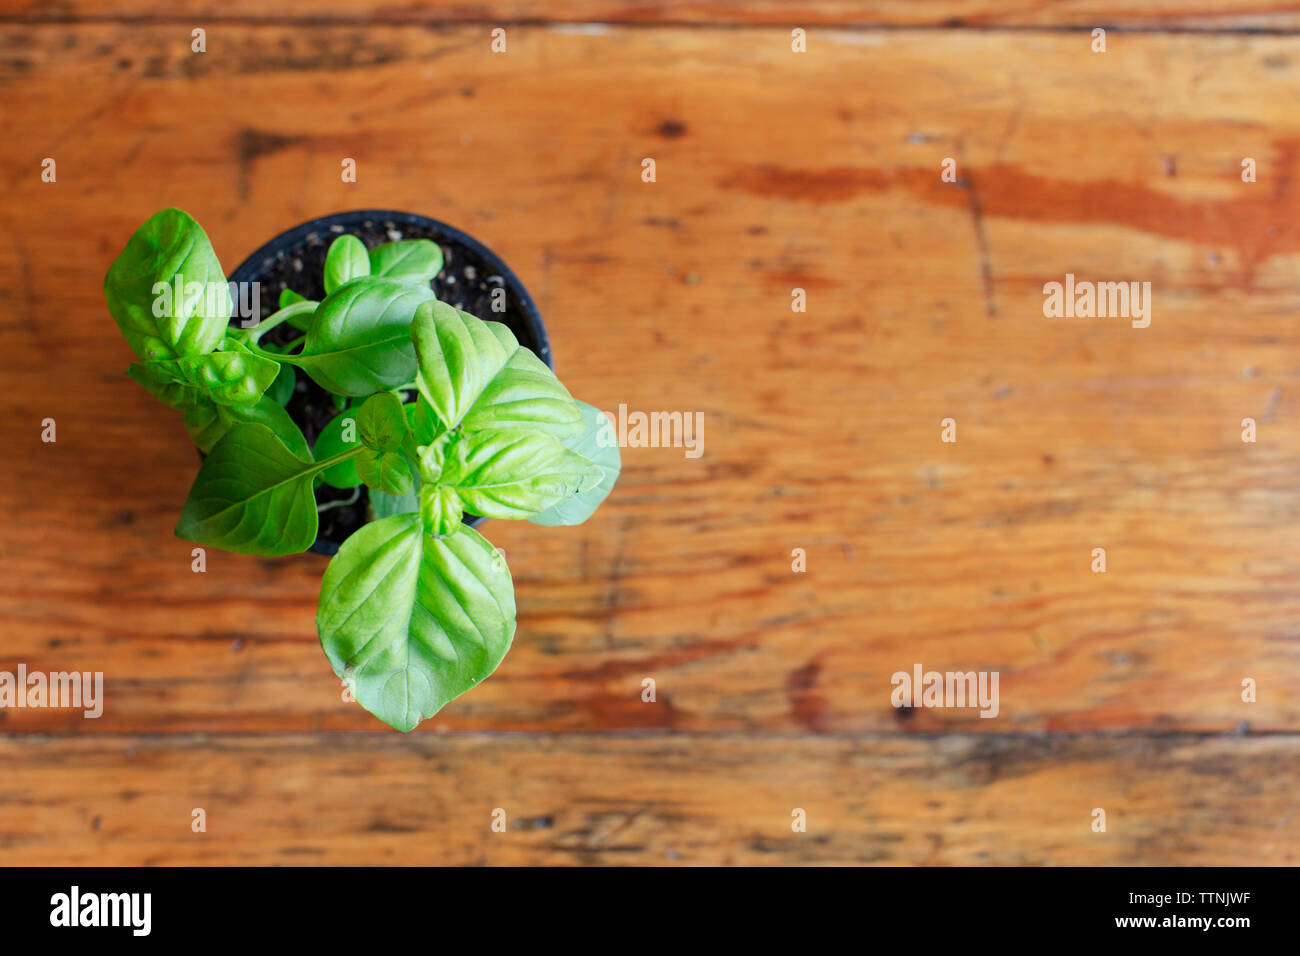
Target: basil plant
[(416, 607)]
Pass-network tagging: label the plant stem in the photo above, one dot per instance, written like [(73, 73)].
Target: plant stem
[(275, 356), (341, 456), (342, 502), (254, 333)]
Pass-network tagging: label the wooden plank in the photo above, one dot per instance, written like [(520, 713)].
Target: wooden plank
[(381, 799), (947, 14), (822, 431)]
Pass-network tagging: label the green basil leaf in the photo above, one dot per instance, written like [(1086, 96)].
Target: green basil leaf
[(346, 260), (289, 297), (359, 341), (514, 473), (228, 378), (282, 388), (384, 505), (422, 427), (599, 445), (300, 322), (411, 260), (268, 413), (252, 495), (338, 435), (170, 251), (476, 374), (207, 421), (172, 393), (441, 510), (386, 471), (411, 621), (526, 394), (381, 423)]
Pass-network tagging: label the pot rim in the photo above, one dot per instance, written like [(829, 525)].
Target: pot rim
[(253, 264)]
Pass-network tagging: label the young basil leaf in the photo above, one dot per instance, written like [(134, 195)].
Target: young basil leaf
[(169, 253), (411, 260), (476, 374), (381, 422), (359, 342), (599, 445), (300, 322), (386, 471), (166, 388), (422, 427), (228, 378), (252, 495), (440, 509), (346, 260), (514, 473), (412, 621), (339, 435)]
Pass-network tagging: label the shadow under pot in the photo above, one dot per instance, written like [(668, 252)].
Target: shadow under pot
[(470, 276)]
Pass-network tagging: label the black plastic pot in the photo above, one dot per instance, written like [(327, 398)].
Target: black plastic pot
[(470, 272)]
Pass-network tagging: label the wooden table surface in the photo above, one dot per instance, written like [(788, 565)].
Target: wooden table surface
[(775, 170)]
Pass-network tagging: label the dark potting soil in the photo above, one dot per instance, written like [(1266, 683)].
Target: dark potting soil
[(465, 282)]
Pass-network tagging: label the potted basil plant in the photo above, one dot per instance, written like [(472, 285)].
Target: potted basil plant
[(443, 417)]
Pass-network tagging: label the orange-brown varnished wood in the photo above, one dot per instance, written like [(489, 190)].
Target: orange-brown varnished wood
[(775, 171), (357, 799)]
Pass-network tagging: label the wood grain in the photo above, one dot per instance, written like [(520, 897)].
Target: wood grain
[(822, 430), (365, 800), (1254, 15)]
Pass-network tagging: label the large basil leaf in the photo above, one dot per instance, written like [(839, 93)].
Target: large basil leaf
[(526, 394), (514, 473), (359, 341), (411, 260), (476, 374), (346, 260), (252, 495), (411, 620), (170, 248), (596, 444)]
